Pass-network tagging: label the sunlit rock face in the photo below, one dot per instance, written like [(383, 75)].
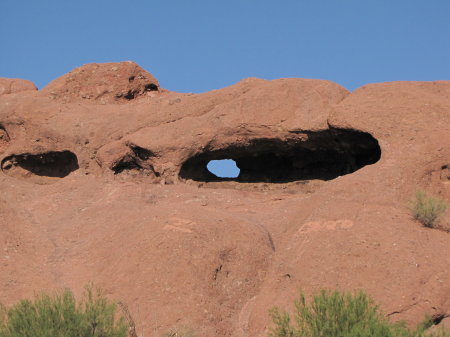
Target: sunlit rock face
[(105, 177), (14, 85)]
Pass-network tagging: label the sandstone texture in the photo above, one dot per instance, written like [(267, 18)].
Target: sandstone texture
[(104, 179), (13, 85)]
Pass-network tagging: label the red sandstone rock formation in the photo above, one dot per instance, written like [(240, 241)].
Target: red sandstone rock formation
[(13, 85), (104, 179)]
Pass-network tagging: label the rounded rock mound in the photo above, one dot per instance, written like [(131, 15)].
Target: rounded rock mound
[(13, 85), (102, 83)]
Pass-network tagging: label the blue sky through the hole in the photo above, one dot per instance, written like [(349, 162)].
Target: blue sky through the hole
[(225, 168)]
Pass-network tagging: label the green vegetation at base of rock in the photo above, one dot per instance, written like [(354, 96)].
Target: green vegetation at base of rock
[(60, 315), (338, 314)]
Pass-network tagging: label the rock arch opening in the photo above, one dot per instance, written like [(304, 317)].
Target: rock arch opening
[(307, 155), (49, 164)]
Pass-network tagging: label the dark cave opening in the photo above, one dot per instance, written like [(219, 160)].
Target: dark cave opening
[(151, 87), (132, 94), (323, 155), (48, 164)]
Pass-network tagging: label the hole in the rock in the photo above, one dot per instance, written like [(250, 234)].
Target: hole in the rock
[(323, 155), (49, 164), (131, 79), (151, 87), (130, 94), (224, 168)]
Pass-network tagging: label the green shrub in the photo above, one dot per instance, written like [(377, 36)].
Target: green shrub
[(60, 316), (335, 314), (427, 209)]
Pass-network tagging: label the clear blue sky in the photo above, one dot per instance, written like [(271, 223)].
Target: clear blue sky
[(199, 45), (225, 168)]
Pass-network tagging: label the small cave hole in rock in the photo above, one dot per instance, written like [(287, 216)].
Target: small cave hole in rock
[(151, 87), (48, 164), (304, 155), (130, 94), (224, 168)]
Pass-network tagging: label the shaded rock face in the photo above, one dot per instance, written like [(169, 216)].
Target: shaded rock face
[(134, 161), (104, 178)]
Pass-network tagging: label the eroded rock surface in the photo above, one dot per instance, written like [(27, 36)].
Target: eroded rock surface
[(14, 85), (104, 178), (103, 83)]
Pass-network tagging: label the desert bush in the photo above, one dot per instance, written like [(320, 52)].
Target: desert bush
[(60, 316), (427, 209), (336, 314)]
